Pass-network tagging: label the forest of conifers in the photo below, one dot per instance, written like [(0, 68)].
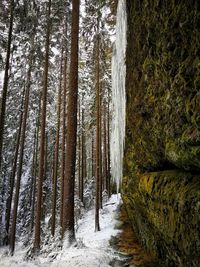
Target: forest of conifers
[(55, 74)]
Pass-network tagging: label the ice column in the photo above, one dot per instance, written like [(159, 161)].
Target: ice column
[(118, 95)]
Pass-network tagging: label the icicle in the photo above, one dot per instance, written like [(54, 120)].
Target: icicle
[(118, 95)]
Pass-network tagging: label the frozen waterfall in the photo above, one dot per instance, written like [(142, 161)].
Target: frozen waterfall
[(118, 94)]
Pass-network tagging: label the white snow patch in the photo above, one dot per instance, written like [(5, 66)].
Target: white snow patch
[(92, 248), (119, 95), (1, 80)]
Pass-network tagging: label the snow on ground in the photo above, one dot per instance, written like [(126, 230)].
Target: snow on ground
[(92, 248)]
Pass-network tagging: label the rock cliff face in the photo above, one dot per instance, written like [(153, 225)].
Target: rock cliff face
[(161, 184)]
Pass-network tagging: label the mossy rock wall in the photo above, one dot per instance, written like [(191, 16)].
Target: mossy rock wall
[(163, 128)]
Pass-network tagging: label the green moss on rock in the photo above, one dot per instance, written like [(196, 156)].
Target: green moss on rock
[(163, 68), (183, 156), (164, 209), (163, 128)]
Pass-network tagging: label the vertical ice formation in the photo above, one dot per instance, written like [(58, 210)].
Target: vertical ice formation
[(118, 95)]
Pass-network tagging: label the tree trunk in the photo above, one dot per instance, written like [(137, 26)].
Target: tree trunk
[(6, 78), (35, 165), (97, 174), (71, 137), (55, 172), (83, 157), (79, 151), (32, 189), (21, 154), (108, 148), (42, 137), (4, 94), (32, 172), (45, 188), (105, 150), (64, 102), (12, 176), (93, 156), (100, 149)]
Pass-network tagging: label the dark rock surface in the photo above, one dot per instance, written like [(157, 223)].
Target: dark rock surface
[(161, 184)]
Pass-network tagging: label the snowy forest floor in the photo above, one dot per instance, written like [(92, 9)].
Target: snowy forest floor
[(92, 249)]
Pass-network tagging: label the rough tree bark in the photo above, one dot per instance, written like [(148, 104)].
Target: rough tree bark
[(21, 152), (64, 102), (35, 165), (55, 172), (6, 78), (71, 137), (97, 172), (42, 136), (83, 157), (79, 151), (32, 187), (100, 146), (12, 176), (108, 148), (93, 154), (105, 153)]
